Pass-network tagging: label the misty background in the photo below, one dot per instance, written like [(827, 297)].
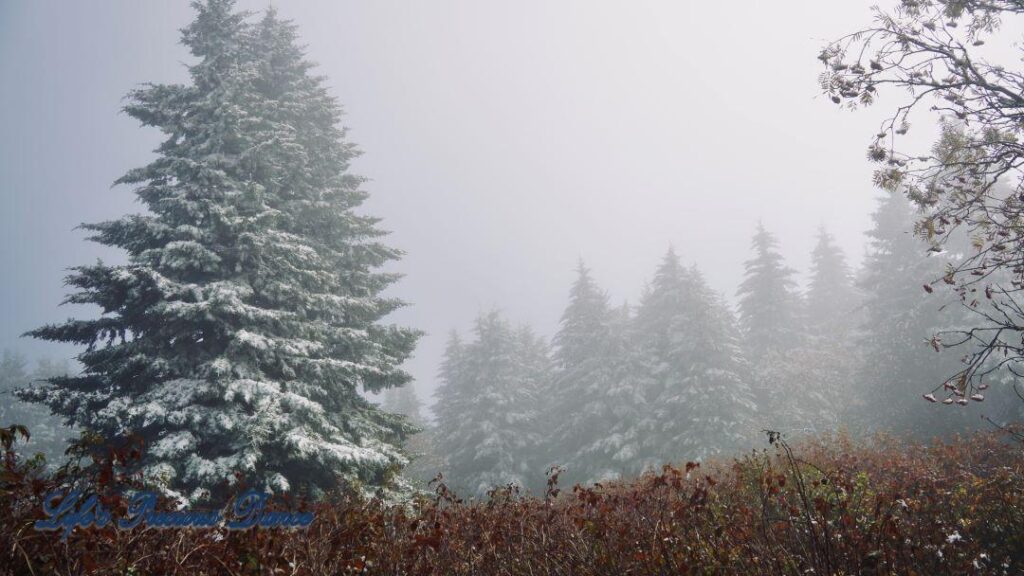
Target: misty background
[(503, 142)]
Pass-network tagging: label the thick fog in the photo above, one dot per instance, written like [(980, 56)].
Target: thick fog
[(503, 142)]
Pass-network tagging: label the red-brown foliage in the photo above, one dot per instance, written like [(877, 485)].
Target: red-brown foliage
[(828, 507)]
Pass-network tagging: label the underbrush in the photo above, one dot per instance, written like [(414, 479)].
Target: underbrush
[(829, 506)]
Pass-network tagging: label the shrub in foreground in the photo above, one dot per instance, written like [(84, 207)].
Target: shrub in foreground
[(825, 507)]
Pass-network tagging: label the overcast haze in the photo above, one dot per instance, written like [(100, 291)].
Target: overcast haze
[(503, 142)]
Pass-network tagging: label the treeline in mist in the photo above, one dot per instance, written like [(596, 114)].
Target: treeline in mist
[(680, 376), (49, 434)]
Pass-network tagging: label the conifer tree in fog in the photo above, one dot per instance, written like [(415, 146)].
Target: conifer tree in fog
[(246, 321), (832, 299), (49, 434), (658, 337), (770, 318), (584, 372), (618, 415), (898, 365), (620, 450), (404, 400), (715, 393), (534, 377), (488, 407), (819, 374), (833, 315), (769, 305), (421, 446), (696, 379), (13, 375), (454, 401)]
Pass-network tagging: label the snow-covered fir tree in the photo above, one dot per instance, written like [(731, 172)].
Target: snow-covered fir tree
[(238, 336), (658, 333), (585, 368), (620, 450), (714, 394), (487, 407), (696, 376)]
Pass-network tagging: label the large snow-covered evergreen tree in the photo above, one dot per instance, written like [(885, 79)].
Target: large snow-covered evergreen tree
[(247, 319)]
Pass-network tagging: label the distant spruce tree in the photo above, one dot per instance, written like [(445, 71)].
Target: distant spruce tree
[(533, 375), (13, 375), (715, 393), (620, 450), (769, 304), (898, 364), (454, 400), (487, 407), (832, 299), (238, 335), (658, 336), (49, 434), (421, 446), (696, 378), (825, 365), (809, 386), (770, 314), (584, 372), (404, 400)]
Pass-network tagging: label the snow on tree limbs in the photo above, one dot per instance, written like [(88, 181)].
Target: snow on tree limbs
[(238, 335)]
